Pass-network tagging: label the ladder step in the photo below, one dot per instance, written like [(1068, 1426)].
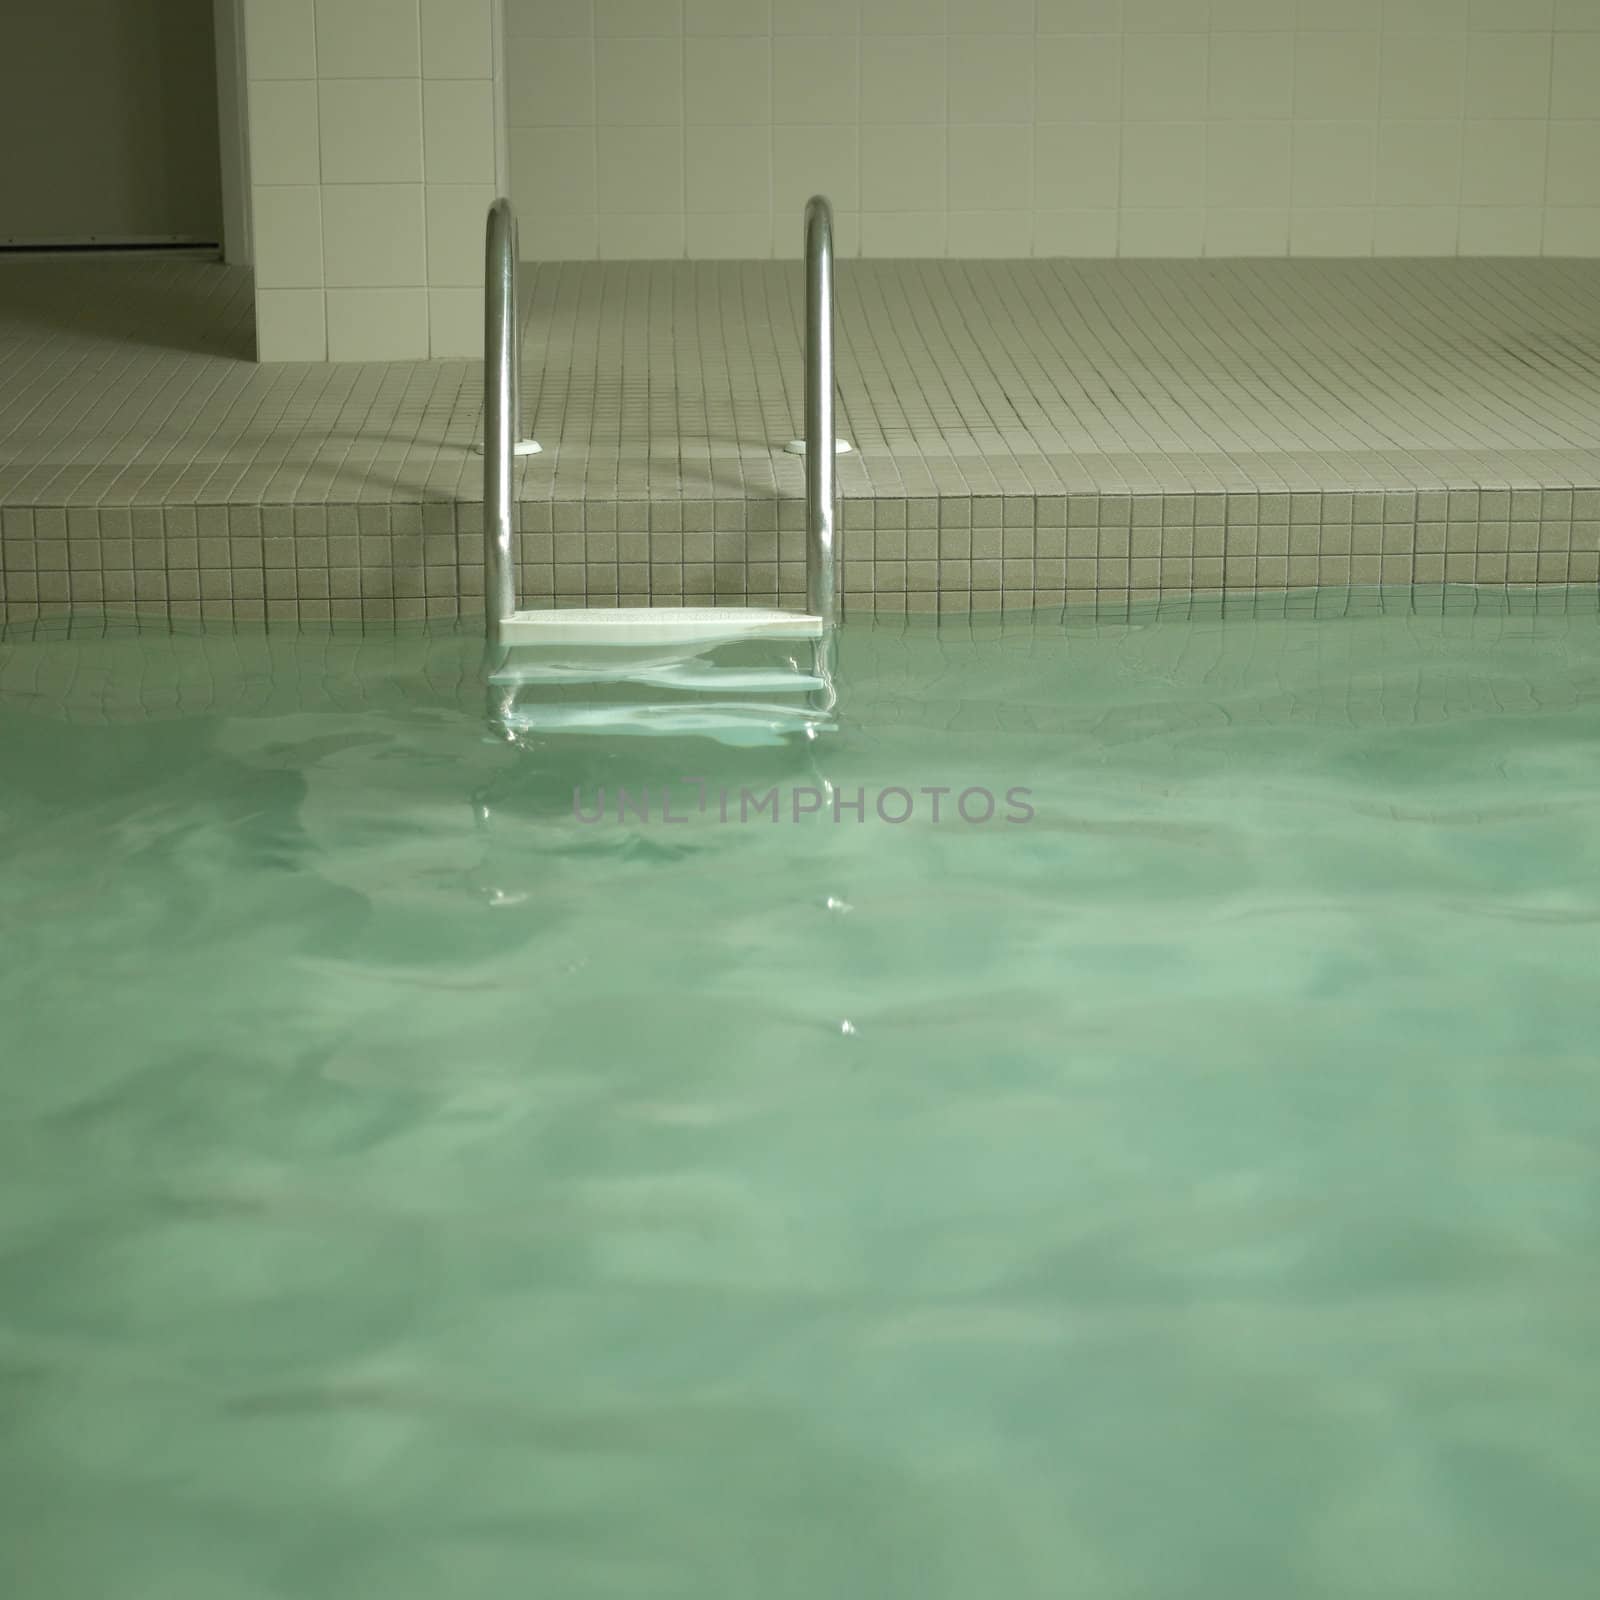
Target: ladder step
[(625, 627), (728, 722), (691, 677)]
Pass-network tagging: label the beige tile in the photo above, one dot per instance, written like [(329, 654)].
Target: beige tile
[(809, 160), (458, 131), (991, 80), (280, 39), (1164, 77), (991, 168), (377, 324), (456, 216), (902, 80), (374, 235), (289, 325), (640, 170), (729, 236), (728, 169), (287, 236), (551, 81), (732, 80), (1076, 165), (902, 168), (456, 39), (639, 81), (371, 130), (553, 169), (368, 39), (455, 322), (642, 236), (1079, 78), (284, 133)]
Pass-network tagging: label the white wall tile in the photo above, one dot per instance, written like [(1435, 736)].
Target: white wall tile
[(548, 236), (1416, 230), (1248, 166), (456, 322), (989, 235), (991, 168), (287, 223), (1251, 75), (1334, 164), (1164, 233), (548, 19), (1424, 75), (280, 39), (457, 215), (640, 170), (641, 236), (551, 81), (1288, 119), (905, 233), (902, 80), (458, 131), (812, 81), (1078, 78), (1574, 164), (554, 170), (377, 324), (729, 236), (906, 16), (1575, 76), (818, 16), (1331, 231), (634, 18), (808, 161), (1572, 231), (1336, 75), (1503, 164), (456, 39), (728, 169), (1089, 234), (284, 146), (371, 130), (902, 168), (373, 235), (1163, 163), (290, 325), (639, 82), (1509, 75), (368, 39), (727, 16), (1247, 232), (991, 79), (731, 80), (1077, 165), (1163, 77), (1419, 163), (1502, 230)]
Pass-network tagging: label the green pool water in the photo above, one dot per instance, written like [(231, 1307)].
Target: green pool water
[(411, 1189)]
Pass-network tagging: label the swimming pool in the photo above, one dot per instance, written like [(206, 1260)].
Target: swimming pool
[(416, 1180)]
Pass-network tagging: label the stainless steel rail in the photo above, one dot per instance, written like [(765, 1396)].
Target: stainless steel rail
[(502, 412), (822, 589)]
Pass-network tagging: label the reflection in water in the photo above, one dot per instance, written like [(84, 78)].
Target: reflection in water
[(409, 1188)]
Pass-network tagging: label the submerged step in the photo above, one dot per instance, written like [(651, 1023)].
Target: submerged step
[(629, 627)]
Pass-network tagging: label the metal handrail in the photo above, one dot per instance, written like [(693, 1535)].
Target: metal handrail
[(822, 596), (502, 413)]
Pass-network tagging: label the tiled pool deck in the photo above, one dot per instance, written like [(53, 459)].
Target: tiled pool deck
[(1027, 433)]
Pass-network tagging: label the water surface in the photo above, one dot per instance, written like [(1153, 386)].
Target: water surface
[(410, 1189)]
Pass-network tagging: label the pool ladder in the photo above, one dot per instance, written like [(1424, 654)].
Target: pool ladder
[(659, 645)]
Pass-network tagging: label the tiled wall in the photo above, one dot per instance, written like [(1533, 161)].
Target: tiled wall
[(372, 155), (665, 128)]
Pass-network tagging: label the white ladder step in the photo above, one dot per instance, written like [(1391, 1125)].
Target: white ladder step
[(626, 627)]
